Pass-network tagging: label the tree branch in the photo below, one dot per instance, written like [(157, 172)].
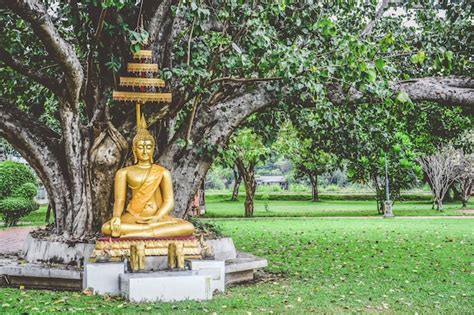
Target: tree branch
[(441, 90), (243, 80), (37, 143), (383, 4), (20, 67), (35, 13), (448, 91)]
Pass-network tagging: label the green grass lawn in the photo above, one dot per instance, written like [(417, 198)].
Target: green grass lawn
[(221, 207), (281, 208), (330, 266)]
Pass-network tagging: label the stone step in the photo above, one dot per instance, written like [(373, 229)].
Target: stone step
[(35, 276), (243, 267)]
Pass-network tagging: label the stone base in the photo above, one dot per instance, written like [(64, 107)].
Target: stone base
[(103, 277), (116, 248), (36, 276), (62, 277), (213, 268), (44, 251), (222, 248), (165, 286)]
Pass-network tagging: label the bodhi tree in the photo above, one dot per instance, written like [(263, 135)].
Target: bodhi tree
[(60, 61), (465, 183)]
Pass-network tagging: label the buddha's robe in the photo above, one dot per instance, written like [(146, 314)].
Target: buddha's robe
[(146, 191)]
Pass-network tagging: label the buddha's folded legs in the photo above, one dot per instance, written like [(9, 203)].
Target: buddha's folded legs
[(175, 227)]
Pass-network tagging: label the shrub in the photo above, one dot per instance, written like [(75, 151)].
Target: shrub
[(265, 199), (269, 188), (331, 188), (27, 190), (14, 208), (17, 190), (12, 176)]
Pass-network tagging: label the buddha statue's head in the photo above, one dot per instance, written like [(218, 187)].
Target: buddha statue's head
[(143, 144)]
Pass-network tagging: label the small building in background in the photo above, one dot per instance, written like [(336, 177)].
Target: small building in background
[(272, 180)]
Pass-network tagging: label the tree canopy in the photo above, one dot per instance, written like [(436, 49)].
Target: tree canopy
[(61, 61)]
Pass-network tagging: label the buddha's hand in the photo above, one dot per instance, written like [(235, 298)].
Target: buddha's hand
[(115, 226)]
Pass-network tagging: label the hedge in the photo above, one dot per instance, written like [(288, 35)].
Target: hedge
[(13, 209), (307, 197)]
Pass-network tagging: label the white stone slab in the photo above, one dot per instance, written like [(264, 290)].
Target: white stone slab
[(222, 248), (103, 277), (165, 286), (213, 268)]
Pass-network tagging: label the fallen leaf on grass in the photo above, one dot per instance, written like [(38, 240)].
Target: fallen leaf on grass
[(88, 291)]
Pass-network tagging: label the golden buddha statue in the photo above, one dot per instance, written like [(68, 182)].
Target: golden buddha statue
[(152, 200)]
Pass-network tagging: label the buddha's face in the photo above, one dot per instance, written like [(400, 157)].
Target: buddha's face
[(144, 150)]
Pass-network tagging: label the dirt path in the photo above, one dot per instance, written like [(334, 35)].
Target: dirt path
[(11, 240)]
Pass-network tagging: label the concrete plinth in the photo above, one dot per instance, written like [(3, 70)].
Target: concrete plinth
[(14, 274), (222, 248), (165, 286), (213, 268), (103, 277), (44, 251)]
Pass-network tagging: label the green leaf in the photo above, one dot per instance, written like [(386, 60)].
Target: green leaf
[(371, 75), (419, 57), (402, 97), (379, 64)]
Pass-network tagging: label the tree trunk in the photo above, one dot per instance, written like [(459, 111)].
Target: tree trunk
[(237, 181), (313, 178), (248, 175), (249, 196), (378, 194)]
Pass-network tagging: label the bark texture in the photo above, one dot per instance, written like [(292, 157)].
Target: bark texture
[(237, 181), (313, 179), (247, 171)]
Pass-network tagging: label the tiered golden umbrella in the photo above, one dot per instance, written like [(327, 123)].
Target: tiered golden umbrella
[(140, 68)]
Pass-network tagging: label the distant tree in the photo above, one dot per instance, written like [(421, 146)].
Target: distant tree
[(226, 159), (236, 185), (443, 170), (465, 182), (368, 167), (307, 159), (247, 150), (6, 150)]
